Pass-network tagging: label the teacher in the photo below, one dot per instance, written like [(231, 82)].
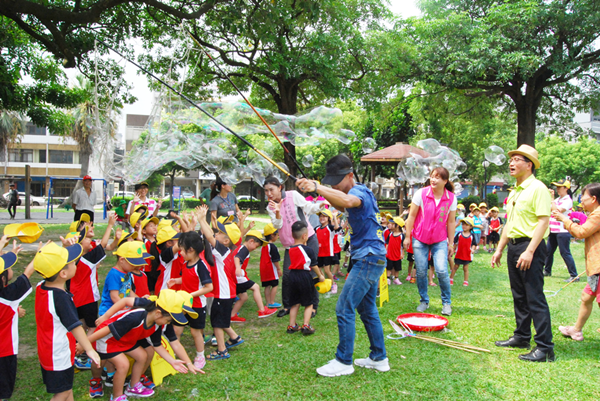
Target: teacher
[(223, 202), (368, 257), (84, 200), (285, 208), (430, 223)]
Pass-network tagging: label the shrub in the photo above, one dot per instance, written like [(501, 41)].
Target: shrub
[(491, 200), (472, 199)]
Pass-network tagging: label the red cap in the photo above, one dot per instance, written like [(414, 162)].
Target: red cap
[(87, 177)]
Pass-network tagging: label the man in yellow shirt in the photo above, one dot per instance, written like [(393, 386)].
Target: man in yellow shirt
[(528, 209)]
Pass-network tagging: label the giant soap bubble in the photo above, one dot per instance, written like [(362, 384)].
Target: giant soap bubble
[(495, 154), (369, 145)]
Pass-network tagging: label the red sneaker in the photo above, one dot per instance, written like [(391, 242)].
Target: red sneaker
[(238, 319), (266, 313)]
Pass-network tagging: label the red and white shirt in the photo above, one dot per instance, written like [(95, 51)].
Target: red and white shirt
[(148, 244), (223, 272), (325, 235), (171, 265), (302, 258), (495, 224), (243, 254), (55, 316), (386, 234), (394, 246), (269, 255), (193, 278), (463, 249), (562, 203), (10, 298), (140, 284), (84, 285)]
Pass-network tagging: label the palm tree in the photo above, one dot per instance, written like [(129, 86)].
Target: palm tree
[(12, 128)]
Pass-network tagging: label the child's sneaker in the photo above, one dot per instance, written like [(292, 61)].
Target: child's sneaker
[(266, 313), (451, 281), (239, 319), (408, 278), (119, 398), (200, 362), (307, 329), (389, 281), (397, 281), (146, 382), (335, 278), (293, 329), (276, 305), (334, 288), (139, 390), (82, 362), (213, 341), (96, 388), (108, 379), (413, 280), (466, 283)]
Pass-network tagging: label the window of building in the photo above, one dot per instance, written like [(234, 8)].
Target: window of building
[(18, 155), (35, 130), (63, 188), (61, 156), (42, 156)]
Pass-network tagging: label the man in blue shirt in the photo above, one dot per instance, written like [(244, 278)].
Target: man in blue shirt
[(368, 258)]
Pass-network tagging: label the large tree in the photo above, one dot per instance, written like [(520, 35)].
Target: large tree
[(534, 54), (293, 53)]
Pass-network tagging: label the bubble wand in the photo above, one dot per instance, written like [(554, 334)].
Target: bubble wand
[(246, 100), (190, 101)]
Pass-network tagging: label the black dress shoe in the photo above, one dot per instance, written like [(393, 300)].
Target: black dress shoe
[(537, 355), (513, 343), (283, 312), (547, 274)]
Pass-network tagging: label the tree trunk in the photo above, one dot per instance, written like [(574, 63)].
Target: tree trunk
[(287, 104), (527, 106), (84, 160)]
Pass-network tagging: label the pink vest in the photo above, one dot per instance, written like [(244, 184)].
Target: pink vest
[(289, 215), (431, 222)]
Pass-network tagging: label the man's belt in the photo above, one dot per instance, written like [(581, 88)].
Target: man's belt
[(515, 241)]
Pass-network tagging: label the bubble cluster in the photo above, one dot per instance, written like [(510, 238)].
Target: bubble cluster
[(495, 154), (416, 168), (212, 147)]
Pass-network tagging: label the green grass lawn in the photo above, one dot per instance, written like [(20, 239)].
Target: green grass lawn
[(273, 365)]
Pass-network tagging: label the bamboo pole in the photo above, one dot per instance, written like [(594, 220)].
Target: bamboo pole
[(446, 345), (458, 343)]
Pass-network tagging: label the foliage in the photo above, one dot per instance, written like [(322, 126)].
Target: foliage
[(12, 128), (560, 159), (466, 201), (539, 56), (491, 200)]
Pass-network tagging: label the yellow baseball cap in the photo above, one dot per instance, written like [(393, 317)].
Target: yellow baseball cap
[(231, 230), (145, 222), (563, 183), (134, 218), (482, 204), (80, 235), (323, 286), (460, 206), (52, 258), (134, 252), (225, 219), (188, 302), (166, 223), (468, 220), (472, 205), (75, 225), (126, 236), (25, 232), (174, 303), (398, 220), (142, 209), (166, 234), (257, 234), (7, 261), (494, 209), (269, 229), (326, 212)]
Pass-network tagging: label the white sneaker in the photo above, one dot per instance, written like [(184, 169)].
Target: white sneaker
[(381, 366), (335, 368)]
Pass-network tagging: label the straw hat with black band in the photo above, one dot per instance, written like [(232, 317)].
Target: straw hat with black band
[(529, 152)]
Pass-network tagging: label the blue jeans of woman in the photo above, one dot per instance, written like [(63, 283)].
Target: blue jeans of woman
[(563, 242), (439, 255), (360, 294)]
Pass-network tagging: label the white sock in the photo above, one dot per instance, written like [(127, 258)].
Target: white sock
[(199, 354)]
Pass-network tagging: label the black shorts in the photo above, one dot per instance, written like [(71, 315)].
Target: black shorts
[(493, 237), (346, 247), (89, 313), (58, 381), (325, 261), (8, 367), (140, 343), (220, 313), (200, 322), (301, 288), (430, 262), (461, 261), (395, 265), (272, 283), (335, 258), (144, 343), (241, 288), (410, 257)]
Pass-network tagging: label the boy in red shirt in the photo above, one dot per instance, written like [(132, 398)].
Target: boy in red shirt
[(495, 227), (464, 250), (325, 235), (394, 251), (58, 326), (270, 270)]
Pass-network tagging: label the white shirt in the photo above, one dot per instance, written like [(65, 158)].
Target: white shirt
[(562, 203), (82, 201), (417, 199)]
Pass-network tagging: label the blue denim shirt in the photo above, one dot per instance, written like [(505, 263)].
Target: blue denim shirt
[(365, 232)]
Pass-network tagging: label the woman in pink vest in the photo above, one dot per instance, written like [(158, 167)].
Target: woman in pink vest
[(433, 207), (286, 208)]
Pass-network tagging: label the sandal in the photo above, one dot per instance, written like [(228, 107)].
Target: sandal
[(232, 343), (217, 355)]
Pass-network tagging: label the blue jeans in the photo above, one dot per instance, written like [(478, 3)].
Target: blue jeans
[(439, 254), (360, 293)]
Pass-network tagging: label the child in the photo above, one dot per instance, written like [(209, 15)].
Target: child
[(171, 262), (118, 282), (149, 230), (195, 280), (254, 239), (463, 252), (11, 295), (496, 225), (484, 224), (270, 270), (337, 250), (223, 244), (478, 225), (325, 234), (137, 333), (58, 325), (302, 261), (411, 262), (394, 251)]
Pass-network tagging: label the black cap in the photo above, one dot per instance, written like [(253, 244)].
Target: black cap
[(336, 169)]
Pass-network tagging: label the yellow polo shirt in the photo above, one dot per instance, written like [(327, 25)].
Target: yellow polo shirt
[(525, 204)]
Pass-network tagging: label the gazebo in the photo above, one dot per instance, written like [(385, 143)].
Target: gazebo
[(391, 156)]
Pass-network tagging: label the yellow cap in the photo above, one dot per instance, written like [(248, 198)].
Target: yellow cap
[(125, 236), (399, 220), (494, 209), (145, 222), (141, 209), (188, 302), (225, 219), (134, 218), (326, 212), (75, 225), (482, 204), (52, 258), (165, 223), (172, 302), (166, 234), (468, 220), (323, 286), (476, 208), (472, 205), (563, 183), (257, 234), (26, 232), (460, 206), (80, 235), (231, 230), (7, 261), (269, 229), (134, 252)]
